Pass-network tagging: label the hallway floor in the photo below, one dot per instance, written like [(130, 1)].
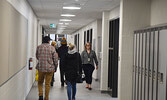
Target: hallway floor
[(59, 93)]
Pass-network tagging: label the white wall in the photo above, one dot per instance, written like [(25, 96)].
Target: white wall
[(135, 14), (115, 13), (107, 16), (20, 84), (158, 12), (105, 47)]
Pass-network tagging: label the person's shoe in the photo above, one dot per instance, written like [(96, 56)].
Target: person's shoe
[(87, 87), (51, 83), (65, 82), (40, 97), (90, 88), (62, 84)]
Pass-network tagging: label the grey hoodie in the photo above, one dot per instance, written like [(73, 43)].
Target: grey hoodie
[(72, 51)]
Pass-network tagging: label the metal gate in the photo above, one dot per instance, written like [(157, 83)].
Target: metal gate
[(150, 64)]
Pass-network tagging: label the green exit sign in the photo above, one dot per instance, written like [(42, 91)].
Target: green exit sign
[(52, 25)]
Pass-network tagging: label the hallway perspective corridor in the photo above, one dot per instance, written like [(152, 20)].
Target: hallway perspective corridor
[(60, 93)]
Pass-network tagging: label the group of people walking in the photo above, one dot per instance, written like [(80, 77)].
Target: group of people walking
[(71, 66)]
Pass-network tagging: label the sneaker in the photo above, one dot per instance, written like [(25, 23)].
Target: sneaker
[(40, 97)]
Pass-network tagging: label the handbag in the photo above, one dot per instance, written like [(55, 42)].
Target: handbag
[(79, 78), (83, 77)]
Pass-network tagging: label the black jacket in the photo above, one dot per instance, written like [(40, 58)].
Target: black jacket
[(61, 52), (72, 65)]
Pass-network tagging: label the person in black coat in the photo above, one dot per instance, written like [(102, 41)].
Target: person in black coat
[(72, 67), (62, 50)]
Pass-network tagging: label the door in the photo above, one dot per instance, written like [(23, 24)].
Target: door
[(113, 56), (78, 42), (85, 40), (88, 36)]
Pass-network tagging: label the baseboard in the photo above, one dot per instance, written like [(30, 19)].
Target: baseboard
[(104, 92)]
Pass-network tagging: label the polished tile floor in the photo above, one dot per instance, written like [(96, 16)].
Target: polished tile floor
[(59, 93)]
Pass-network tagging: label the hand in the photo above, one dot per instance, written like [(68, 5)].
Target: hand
[(96, 67), (55, 71)]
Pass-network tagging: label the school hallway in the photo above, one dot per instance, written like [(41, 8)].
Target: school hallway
[(60, 93), (126, 40)]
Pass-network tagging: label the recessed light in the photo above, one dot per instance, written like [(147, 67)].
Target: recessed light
[(63, 26), (66, 20), (72, 8), (61, 23), (66, 23), (67, 15)]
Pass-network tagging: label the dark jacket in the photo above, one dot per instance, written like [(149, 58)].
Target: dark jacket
[(72, 65), (61, 52)]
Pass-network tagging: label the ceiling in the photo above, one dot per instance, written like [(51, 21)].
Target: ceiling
[(49, 12)]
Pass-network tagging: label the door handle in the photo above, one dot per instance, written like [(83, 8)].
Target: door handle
[(154, 75), (160, 77)]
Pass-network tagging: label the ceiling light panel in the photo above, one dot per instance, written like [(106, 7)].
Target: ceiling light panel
[(68, 15), (65, 20), (72, 8), (63, 26), (61, 23)]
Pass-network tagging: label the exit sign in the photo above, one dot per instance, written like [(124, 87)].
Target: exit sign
[(52, 25)]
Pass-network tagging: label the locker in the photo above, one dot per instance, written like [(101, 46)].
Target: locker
[(147, 66), (156, 34), (134, 66), (162, 62), (151, 66), (137, 67), (143, 66), (140, 66)]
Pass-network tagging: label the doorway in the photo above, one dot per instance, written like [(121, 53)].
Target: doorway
[(76, 41), (113, 56)]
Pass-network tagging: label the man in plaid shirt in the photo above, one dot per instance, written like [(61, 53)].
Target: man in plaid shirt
[(47, 65)]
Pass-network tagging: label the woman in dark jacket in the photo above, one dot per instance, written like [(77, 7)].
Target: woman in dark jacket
[(71, 66)]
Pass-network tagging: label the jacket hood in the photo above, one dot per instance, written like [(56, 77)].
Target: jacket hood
[(72, 51)]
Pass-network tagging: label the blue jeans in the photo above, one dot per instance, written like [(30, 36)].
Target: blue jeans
[(71, 90)]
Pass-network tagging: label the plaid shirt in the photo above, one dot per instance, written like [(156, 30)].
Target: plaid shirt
[(47, 58)]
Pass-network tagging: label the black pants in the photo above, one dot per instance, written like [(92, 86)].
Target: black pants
[(88, 70), (52, 80), (62, 75)]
